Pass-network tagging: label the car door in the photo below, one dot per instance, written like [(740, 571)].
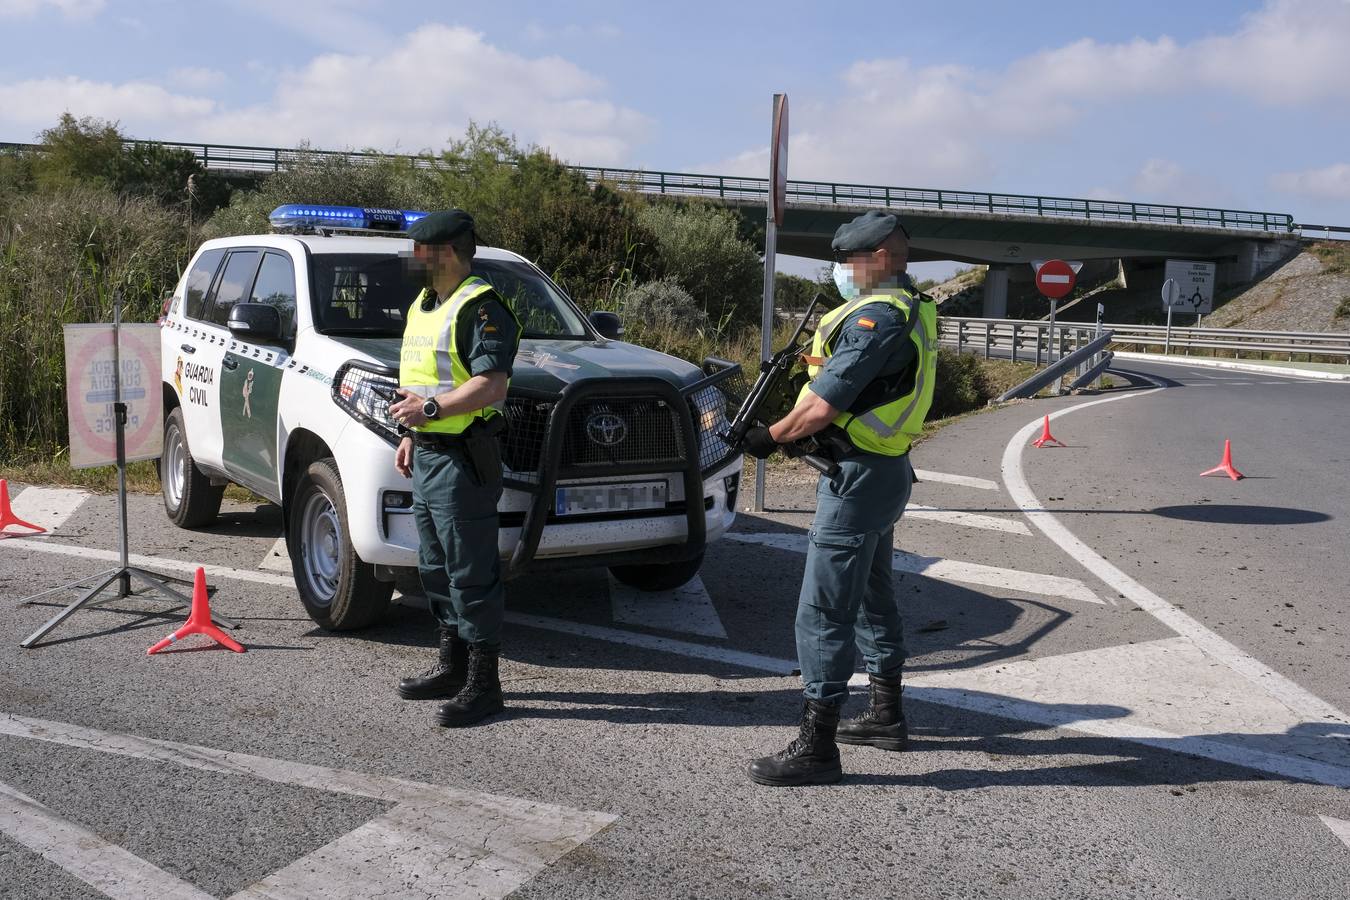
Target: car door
[(251, 383), (203, 372), (196, 359)]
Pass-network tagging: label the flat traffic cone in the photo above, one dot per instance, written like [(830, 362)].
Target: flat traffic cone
[(199, 621), (1046, 437), (1225, 467), (7, 517)]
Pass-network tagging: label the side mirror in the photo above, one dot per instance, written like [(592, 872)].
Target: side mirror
[(608, 324), (258, 323)]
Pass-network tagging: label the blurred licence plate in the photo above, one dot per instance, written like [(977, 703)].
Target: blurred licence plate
[(603, 498)]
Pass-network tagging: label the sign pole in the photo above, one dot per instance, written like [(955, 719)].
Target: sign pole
[(1167, 341), (774, 203), (122, 575)]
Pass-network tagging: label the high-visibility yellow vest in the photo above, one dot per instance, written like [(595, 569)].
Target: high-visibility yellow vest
[(430, 364), (889, 428)]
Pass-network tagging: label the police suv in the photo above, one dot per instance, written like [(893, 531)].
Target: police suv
[(280, 351)]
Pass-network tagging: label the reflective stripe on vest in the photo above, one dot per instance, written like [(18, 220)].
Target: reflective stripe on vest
[(429, 362), (891, 427)]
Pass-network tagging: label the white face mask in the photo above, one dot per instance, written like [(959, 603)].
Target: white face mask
[(843, 279)]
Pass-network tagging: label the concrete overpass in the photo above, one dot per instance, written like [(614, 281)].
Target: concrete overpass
[(1004, 231)]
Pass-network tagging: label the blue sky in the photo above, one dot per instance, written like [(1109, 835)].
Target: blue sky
[(1236, 104)]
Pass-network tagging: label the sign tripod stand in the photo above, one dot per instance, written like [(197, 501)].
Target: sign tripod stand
[(123, 574)]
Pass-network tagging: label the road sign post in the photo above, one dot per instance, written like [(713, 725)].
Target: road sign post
[(778, 150), (1055, 280), (1171, 294)]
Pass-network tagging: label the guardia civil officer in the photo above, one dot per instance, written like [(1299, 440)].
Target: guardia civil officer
[(459, 341), (872, 366)]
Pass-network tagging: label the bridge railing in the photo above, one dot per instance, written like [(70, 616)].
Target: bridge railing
[(1033, 341), (240, 158)]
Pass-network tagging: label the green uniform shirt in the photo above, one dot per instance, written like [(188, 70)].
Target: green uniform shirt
[(490, 345), (863, 353)]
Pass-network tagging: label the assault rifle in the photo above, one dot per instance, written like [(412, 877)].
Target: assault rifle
[(773, 375)]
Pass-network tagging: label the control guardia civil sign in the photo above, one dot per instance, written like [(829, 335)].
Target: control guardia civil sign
[(91, 392)]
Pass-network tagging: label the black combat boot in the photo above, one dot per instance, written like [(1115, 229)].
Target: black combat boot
[(446, 678), (882, 724), (812, 758), (482, 692)]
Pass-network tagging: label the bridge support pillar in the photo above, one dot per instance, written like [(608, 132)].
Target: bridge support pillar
[(996, 292)]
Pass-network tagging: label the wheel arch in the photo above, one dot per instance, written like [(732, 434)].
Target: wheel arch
[(302, 448)]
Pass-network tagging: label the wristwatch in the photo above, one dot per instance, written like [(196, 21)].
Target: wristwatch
[(431, 409)]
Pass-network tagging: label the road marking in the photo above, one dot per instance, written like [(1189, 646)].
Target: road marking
[(1288, 692), (967, 520), (147, 562), (449, 841), (1339, 827), (278, 559), (1072, 717), (686, 608), (953, 570), (103, 866), (48, 507), (983, 484)]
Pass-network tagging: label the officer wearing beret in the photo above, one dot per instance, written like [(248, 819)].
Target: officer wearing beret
[(459, 342), (872, 367)]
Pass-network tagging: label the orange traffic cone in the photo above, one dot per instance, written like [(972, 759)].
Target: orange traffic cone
[(1225, 467), (7, 517), (199, 621), (1046, 437)]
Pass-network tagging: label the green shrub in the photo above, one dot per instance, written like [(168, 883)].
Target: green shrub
[(62, 255), (662, 304), (700, 247), (1343, 309), (962, 384)]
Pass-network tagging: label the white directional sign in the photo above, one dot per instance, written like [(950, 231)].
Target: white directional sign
[(1194, 291)]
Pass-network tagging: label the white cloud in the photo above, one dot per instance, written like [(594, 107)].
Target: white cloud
[(418, 94), (1158, 178), (195, 78), (337, 24), (898, 124), (1329, 183), (71, 9)]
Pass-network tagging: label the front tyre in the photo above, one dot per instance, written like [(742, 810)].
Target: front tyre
[(339, 591), (189, 497), (658, 576)]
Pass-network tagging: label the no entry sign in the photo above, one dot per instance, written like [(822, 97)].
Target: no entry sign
[(1055, 279)]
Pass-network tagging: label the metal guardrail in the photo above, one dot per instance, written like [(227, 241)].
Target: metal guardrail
[(240, 158), (1079, 359), (1032, 341)]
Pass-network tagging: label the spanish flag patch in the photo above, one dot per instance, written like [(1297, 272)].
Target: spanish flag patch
[(867, 323)]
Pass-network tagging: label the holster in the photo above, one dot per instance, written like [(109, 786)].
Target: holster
[(482, 448)]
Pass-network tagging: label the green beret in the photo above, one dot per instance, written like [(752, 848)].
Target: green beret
[(866, 232), (441, 227)]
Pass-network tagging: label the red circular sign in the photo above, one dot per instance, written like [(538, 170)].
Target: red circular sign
[(1055, 279)]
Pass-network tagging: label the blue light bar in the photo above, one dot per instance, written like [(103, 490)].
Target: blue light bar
[(302, 215)]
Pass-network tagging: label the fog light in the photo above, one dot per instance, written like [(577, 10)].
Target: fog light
[(397, 500)]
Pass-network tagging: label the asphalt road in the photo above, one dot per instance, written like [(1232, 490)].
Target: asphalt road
[(1125, 681)]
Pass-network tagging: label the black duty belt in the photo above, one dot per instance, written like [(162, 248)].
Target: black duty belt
[(432, 440)]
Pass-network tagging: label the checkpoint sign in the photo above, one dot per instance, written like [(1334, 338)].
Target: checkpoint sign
[(90, 393), (1055, 279)]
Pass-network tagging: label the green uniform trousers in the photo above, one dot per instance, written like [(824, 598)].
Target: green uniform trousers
[(848, 592), (456, 518)]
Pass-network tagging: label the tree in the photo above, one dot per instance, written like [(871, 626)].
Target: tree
[(701, 247)]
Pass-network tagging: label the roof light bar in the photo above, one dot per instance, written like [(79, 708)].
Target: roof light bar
[(308, 215)]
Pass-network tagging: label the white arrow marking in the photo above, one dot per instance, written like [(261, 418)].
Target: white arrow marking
[(953, 570), (48, 507), (1339, 827), (687, 608)]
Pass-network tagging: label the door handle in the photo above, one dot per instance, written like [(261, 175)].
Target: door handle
[(229, 362), (187, 348)]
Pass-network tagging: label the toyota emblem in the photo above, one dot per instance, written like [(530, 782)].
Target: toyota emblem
[(606, 429)]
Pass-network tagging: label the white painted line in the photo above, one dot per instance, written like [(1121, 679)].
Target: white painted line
[(976, 701), (148, 562), (983, 484), (278, 559), (686, 608), (1239, 382), (1262, 676), (457, 843), (1339, 827), (967, 520), (651, 642), (47, 507), (1273, 371), (953, 570), (103, 866)]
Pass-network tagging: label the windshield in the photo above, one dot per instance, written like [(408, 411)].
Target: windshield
[(368, 294)]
